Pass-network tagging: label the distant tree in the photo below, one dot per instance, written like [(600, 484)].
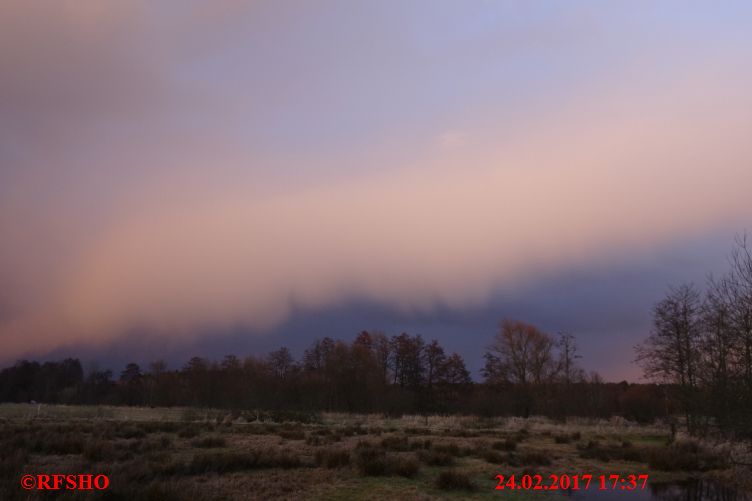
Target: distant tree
[(740, 288), (131, 374), (520, 354), (131, 384), (382, 352), (315, 357), (671, 353), (434, 359), (230, 363), (98, 386), (452, 371), (568, 356), (281, 362), (407, 360), (196, 365)]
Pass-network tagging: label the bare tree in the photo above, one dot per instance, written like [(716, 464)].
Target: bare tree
[(567, 345), (434, 358), (740, 285), (672, 352), (520, 354)]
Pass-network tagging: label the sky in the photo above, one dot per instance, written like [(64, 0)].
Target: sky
[(181, 178)]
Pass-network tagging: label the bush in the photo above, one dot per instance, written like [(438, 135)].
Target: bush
[(421, 444), (535, 458), (189, 432), (292, 434), (683, 456), (209, 442), (396, 443), (436, 458), (448, 448), (494, 457), (131, 431), (562, 439), (451, 480), (370, 461), (403, 466), (626, 452), (280, 416), (332, 458), (315, 440), (99, 450), (50, 443), (160, 426), (507, 445), (222, 462), (374, 462), (12, 464), (349, 431)]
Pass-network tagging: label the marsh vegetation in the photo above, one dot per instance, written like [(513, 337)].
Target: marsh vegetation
[(210, 455)]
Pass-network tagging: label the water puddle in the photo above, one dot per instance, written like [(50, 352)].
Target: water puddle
[(690, 490)]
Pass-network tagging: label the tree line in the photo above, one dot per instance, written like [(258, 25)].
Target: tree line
[(701, 346), (526, 372)]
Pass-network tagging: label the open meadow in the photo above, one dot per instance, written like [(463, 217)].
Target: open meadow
[(183, 453)]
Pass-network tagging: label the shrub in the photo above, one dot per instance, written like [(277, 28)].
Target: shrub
[(165, 442), (562, 439), (535, 458), (332, 458), (221, 462), (281, 416), (626, 452), (507, 445), (159, 426), (209, 442), (131, 431), (315, 440), (403, 466), (451, 480), (494, 457), (189, 432), (435, 458), (349, 431), (99, 450), (684, 456), (12, 464), (370, 461), (292, 434), (448, 448), (421, 444), (396, 443), (50, 443), (160, 492)]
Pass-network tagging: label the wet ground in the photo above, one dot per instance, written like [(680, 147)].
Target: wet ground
[(691, 490)]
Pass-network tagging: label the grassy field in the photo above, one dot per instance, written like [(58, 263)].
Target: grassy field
[(163, 454)]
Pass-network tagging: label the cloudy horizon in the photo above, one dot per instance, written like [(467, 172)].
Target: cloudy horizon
[(232, 177)]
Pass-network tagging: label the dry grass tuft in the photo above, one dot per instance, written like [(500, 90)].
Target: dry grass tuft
[(452, 480), (209, 442), (332, 458)]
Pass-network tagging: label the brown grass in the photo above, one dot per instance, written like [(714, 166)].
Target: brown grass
[(203, 460), (332, 458), (452, 480)]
